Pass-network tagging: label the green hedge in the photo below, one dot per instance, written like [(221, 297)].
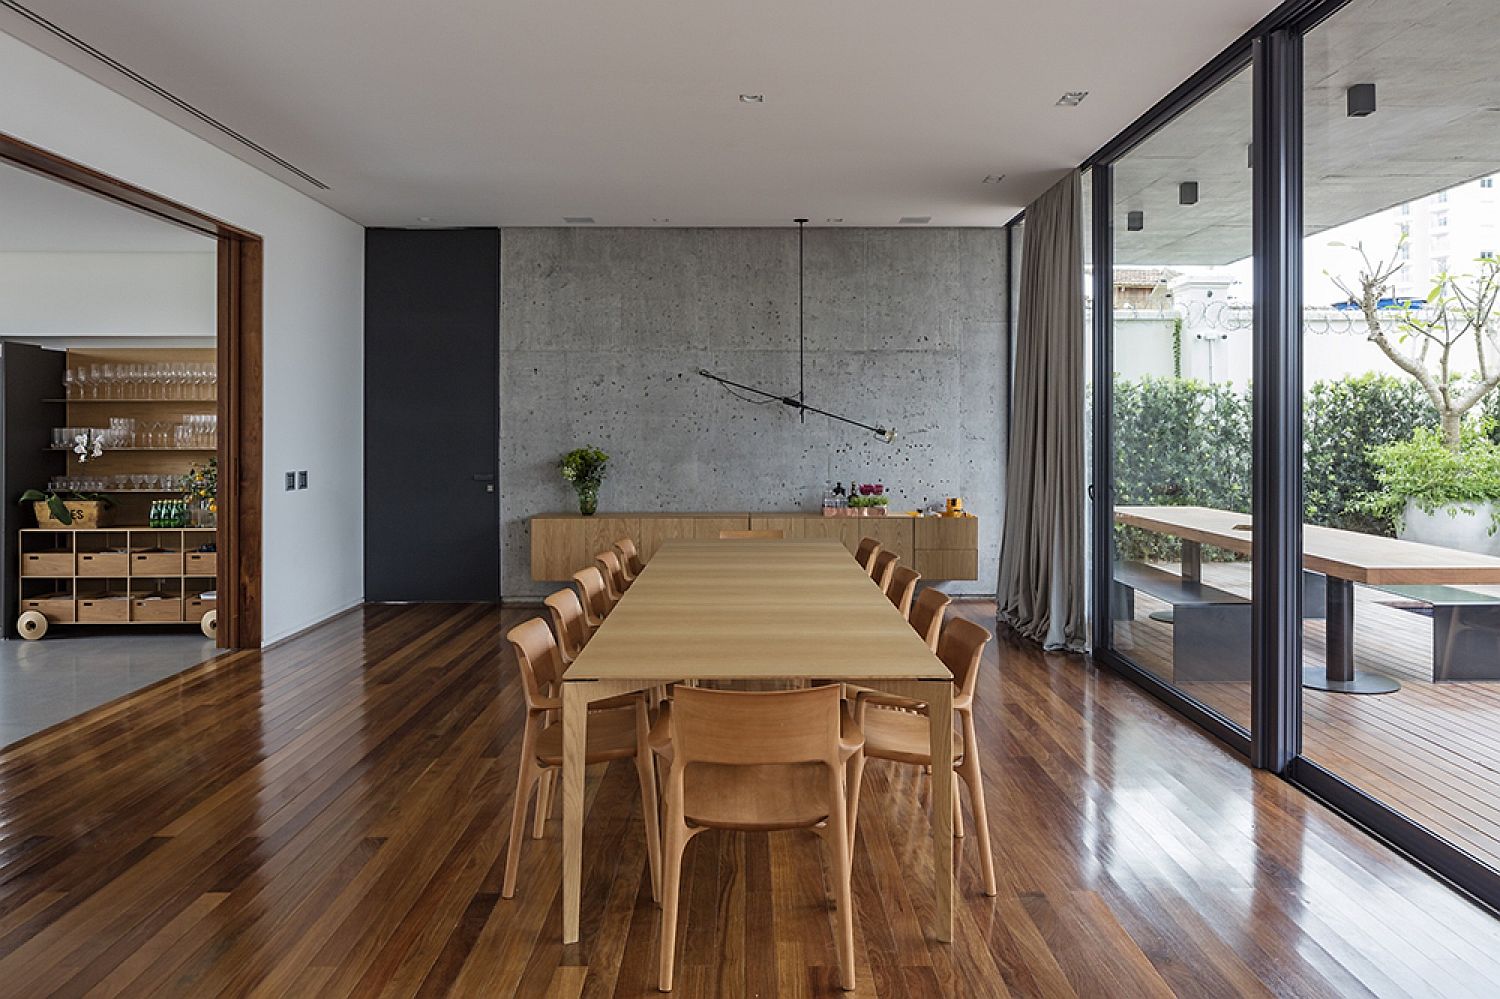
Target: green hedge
[(1181, 442)]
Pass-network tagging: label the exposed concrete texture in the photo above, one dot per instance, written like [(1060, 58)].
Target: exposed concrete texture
[(603, 331)]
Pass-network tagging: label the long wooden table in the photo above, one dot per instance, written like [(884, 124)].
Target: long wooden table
[(1343, 557), (755, 610)]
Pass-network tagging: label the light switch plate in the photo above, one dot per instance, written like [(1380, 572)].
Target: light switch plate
[(302, 479), (291, 481)]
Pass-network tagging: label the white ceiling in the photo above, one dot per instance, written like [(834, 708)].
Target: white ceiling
[(38, 215), (477, 112)]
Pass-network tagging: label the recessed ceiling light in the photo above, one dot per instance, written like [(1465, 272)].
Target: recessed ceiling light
[(752, 98), (424, 218), (833, 221), (579, 219), (1072, 98), (915, 219), (659, 221), (993, 178)]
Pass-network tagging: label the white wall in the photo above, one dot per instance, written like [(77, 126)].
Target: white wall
[(314, 278), (72, 295)]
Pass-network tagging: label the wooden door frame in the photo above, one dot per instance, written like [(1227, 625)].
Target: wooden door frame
[(240, 256)]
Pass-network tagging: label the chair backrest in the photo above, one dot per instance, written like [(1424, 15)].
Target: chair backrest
[(630, 556), (614, 573), (536, 655), (866, 552), (767, 535), (883, 566), (902, 586), (756, 728), (596, 602), (927, 615), (960, 647), (568, 621)]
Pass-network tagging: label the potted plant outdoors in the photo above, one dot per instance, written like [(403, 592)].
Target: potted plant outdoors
[(1441, 495), (55, 510), (583, 468)]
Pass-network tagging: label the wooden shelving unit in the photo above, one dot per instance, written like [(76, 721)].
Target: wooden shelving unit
[(117, 576)]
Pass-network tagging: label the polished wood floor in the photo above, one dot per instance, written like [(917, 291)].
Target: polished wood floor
[(1430, 750), (328, 819)]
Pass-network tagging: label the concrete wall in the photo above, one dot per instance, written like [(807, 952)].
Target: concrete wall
[(603, 332), (314, 316)]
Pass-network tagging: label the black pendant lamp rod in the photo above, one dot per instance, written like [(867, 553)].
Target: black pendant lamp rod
[(798, 402)]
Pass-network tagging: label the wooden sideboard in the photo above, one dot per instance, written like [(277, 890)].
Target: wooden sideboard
[(937, 547)]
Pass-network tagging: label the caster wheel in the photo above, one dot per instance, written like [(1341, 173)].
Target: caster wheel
[(32, 625), (210, 624)]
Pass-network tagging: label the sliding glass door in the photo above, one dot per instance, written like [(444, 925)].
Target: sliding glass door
[(1401, 358), (1180, 335)]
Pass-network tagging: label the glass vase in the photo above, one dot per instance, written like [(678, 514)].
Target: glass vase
[(588, 500)]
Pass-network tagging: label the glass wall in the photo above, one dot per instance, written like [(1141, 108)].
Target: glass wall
[(1181, 336), (1401, 361)]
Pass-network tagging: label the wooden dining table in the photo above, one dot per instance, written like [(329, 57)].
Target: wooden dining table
[(1343, 557), (757, 610)]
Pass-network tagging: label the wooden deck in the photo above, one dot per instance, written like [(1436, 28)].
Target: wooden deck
[(1432, 751), (327, 819)]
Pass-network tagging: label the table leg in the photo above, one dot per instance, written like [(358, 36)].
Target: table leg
[(1192, 560), (575, 739), (1339, 675), (940, 715)]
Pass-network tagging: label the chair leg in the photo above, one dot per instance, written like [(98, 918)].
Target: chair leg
[(958, 810), (676, 841), (856, 781), (543, 803), (526, 776), (650, 813), (971, 775), (843, 874)]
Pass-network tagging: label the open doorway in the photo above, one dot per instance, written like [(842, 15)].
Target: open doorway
[(129, 438)]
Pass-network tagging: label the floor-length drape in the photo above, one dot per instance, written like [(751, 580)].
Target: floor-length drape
[(1042, 585)]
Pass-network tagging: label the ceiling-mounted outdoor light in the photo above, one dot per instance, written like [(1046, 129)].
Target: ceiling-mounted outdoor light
[(1135, 221), (1360, 100), (1187, 192)]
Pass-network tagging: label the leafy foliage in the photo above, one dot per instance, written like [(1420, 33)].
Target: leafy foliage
[(1425, 470), (584, 467), (55, 502)]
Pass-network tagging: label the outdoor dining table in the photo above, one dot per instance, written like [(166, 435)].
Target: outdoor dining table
[(757, 610), (1343, 557)]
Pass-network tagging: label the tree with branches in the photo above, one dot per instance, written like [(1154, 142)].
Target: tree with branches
[(1423, 339)]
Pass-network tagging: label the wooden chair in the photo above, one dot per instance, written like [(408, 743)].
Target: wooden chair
[(882, 568), (896, 729), (902, 587), (927, 615), (568, 620), (614, 574), (617, 732), (769, 535), (865, 554), (757, 762), (594, 595), (630, 558)]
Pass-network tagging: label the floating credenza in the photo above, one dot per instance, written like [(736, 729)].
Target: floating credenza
[(937, 547)]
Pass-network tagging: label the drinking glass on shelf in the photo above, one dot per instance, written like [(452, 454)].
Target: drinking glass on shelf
[(96, 379), (68, 384)]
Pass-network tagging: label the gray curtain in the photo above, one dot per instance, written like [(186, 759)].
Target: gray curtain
[(1041, 590)]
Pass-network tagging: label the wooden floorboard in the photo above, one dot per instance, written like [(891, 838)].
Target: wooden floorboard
[(329, 818), (1430, 750)]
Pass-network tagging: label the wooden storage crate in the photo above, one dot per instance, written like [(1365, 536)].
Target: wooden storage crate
[(156, 609), (201, 564), (98, 564), (156, 563), (194, 607), (87, 514), (58, 565), (103, 609), (57, 608)]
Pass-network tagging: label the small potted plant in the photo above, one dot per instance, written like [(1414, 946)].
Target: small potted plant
[(870, 500), (583, 468), (1441, 495), (56, 510)]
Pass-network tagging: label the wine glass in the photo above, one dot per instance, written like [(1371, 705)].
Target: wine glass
[(96, 379), (69, 386)]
